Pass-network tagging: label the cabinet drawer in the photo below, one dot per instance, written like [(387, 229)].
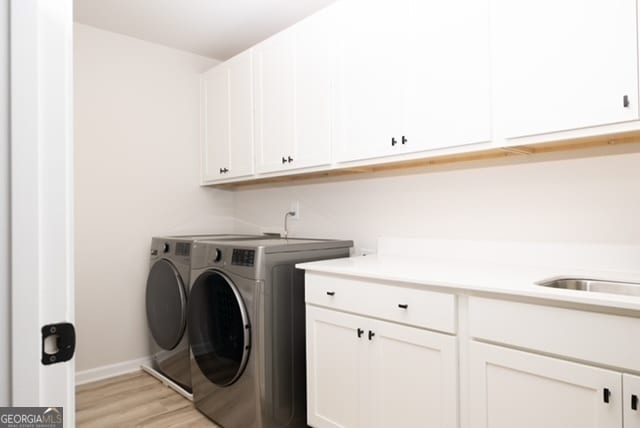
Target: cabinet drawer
[(398, 303), (589, 336)]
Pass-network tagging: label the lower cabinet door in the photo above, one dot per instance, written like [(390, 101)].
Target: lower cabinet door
[(411, 378), (631, 401), (511, 388), (334, 367)]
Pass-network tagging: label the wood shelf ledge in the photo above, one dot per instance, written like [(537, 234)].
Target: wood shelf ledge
[(472, 156)]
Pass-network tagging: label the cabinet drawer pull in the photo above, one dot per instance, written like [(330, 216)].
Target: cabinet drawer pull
[(331, 293), (360, 331), (403, 306), (371, 334), (606, 395), (634, 402)]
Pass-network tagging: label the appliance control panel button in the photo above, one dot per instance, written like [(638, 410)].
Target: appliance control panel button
[(243, 257)]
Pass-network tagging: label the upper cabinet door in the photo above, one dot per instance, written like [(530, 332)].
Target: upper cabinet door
[(411, 76), (275, 102), (227, 120), (215, 122), (313, 91), (446, 74), (561, 65), (240, 69), (292, 98), (368, 89)]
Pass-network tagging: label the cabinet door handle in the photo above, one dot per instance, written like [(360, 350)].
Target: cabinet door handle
[(284, 160), (290, 159), (404, 140), (606, 395), (371, 334), (393, 141), (225, 170), (221, 171), (360, 331), (403, 305), (625, 101), (634, 402), (331, 293)]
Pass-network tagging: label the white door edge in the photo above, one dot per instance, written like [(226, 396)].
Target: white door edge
[(41, 197)]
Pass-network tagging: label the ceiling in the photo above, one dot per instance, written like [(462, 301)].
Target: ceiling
[(214, 28)]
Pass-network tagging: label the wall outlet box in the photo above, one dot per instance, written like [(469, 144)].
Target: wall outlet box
[(295, 207)]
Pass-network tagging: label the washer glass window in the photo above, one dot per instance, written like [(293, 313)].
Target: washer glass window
[(166, 304), (218, 328)]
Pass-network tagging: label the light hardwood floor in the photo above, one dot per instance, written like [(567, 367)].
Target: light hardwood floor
[(134, 400)]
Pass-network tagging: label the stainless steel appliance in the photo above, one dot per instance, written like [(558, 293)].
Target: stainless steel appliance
[(246, 326), (166, 304)]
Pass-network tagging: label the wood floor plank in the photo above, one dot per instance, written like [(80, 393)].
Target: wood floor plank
[(134, 400)]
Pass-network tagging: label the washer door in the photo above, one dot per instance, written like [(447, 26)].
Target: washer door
[(219, 330), (166, 304)]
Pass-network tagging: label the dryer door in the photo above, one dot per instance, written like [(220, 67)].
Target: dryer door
[(166, 304), (219, 330)]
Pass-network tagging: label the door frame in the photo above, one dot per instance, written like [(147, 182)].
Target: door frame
[(5, 281), (42, 268)]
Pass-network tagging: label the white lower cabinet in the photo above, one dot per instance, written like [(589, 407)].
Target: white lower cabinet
[(631, 401), (371, 373), (510, 388), (334, 366), (411, 377)]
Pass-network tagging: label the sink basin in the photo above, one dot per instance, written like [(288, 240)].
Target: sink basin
[(593, 285)]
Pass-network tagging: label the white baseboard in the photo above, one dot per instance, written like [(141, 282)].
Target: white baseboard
[(111, 370)]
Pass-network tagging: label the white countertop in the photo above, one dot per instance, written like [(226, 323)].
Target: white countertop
[(480, 276)]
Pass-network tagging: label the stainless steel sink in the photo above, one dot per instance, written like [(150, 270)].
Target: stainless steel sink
[(593, 285)]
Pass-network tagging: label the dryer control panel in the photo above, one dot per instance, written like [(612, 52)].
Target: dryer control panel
[(243, 257)]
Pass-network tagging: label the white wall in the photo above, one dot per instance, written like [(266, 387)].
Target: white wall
[(5, 297), (594, 198), (136, 157)]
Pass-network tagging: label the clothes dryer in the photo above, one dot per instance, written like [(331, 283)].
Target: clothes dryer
[(246, 323)]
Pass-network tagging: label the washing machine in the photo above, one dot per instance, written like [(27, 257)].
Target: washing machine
[(246, 324), (166, 304)]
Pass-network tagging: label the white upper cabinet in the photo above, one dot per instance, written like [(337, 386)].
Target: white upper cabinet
[(447, 75), (369, 81), (560, 65), (410, 76), (292, 81), (227, 120)]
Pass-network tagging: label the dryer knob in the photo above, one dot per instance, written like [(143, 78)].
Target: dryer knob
[(165, 247), (218, 255)]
